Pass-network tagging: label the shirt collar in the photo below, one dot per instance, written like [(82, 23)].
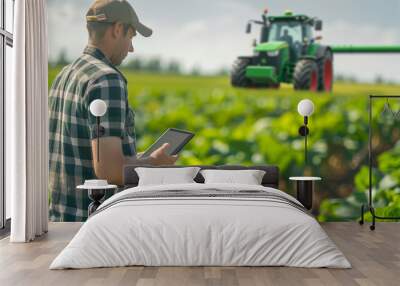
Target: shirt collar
[(98, 54)]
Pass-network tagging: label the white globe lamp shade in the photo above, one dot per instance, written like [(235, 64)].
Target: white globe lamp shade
[(305, 107), (98, 107)]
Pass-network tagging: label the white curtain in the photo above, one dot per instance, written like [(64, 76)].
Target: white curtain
[(27, 123)]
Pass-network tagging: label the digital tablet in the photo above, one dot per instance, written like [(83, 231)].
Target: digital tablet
[(176, 138)]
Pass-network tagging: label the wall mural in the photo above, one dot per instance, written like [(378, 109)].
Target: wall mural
[(248, 115)]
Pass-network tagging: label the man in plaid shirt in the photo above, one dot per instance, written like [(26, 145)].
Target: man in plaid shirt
[(72, 128)]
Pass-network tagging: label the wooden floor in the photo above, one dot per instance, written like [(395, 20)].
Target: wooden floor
[(375, 257)]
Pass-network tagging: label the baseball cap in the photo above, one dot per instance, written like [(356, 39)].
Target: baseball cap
[(111, 11)]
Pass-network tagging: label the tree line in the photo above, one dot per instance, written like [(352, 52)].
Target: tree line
[(150, 65), (160, 66)]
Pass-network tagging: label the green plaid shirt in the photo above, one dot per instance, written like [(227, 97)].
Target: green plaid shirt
[(72, 127)]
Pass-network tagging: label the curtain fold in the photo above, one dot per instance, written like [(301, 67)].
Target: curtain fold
[(27, 123)]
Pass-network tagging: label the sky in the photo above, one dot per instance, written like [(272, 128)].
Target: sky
[(211, 34)]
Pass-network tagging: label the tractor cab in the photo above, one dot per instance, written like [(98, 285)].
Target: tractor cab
[(295, 31), (286, 43)]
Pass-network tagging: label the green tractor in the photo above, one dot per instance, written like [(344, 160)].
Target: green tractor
[(288, 52)]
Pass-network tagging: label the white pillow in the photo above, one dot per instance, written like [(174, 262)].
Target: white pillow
[(165, 176), (248, 177)]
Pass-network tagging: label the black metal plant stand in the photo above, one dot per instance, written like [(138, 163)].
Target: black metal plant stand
[(370, 203)]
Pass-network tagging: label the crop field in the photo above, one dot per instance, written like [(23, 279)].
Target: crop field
[(260, 126)]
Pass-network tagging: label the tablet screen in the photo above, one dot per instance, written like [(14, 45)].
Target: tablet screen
[(175, 137)]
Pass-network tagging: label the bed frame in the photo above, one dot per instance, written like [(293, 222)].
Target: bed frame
[(270, 179)]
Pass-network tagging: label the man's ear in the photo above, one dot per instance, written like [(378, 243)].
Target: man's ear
[(117, 30)]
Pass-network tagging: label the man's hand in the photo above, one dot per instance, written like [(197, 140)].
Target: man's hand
[(159, 157)]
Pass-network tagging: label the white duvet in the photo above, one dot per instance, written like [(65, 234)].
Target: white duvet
[(200, 231)]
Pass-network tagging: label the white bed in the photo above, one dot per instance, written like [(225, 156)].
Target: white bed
[(185, 230)]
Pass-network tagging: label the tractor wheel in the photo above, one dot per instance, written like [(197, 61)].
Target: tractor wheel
[(305, 76), (325, 72), (238, 73)]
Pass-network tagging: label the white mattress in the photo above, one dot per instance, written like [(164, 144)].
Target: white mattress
[(193, 231)]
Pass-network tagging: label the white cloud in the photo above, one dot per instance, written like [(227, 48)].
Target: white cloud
[(193, 28), (345, 32), (204, 43), (66, 28)]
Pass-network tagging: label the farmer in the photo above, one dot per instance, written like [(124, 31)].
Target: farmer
[(111, 25), (286, 37)]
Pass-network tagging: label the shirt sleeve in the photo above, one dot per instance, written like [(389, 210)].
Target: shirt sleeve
[(116, 122), (112, 90)]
